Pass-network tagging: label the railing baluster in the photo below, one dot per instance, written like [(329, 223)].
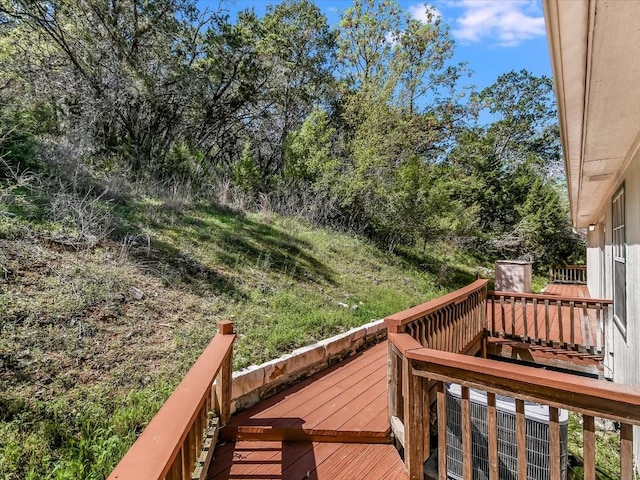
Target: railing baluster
[(536, 331), (493, 314), (463, 336), (560, 322), (589, 447), (504, 324), (184, 453), (513, 316), (438, 321), (521, 439), (626, 451), (197, 429), (524, 319), (572, 322), (547, 321), (175, 471), (442, 431), (453, 332), (492, 433), (554, 443), (448, 334), (467, 445), (588, 335)]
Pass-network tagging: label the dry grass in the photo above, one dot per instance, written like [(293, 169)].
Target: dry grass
[(92, 340)]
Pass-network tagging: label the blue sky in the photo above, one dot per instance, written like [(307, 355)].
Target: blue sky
[(492, 36)]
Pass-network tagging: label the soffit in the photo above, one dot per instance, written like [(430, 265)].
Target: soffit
[(595, 49)]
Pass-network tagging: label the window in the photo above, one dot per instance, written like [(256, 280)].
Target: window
[(619, 259)]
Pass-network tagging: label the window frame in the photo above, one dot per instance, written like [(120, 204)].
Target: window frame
[(619, 257)]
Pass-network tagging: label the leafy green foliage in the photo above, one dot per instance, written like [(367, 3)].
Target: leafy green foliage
[(86, 364), (517, 178), (152, 121)]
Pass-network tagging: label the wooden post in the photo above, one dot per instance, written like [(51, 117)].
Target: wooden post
[(554, 443), (467, 435), (589, 447), (393, 382), (521, 439), (626, 451), (413, 422), (223, 382), (442, 431), (492, 433)]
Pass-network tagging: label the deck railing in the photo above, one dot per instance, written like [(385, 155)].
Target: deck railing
[(178, 443), (587, 397), (455, 322), (568, 274), (572, 323)]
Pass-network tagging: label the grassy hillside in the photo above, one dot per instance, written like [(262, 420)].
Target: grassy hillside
[(94, 339)]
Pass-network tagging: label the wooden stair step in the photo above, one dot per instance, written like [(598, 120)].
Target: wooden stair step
[(273, 433)]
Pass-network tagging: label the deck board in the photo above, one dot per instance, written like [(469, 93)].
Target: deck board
[(519, 321), (347, 402), (334, 425), (312, 460), (554, 344)]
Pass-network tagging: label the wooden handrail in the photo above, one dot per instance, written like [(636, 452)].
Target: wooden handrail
[(618, 402), (455, 322), (425, 369), (568, 274), (570, 322), (170, 444), (547, 296), (407, 316)]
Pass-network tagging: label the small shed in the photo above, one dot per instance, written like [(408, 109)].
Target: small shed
[(513, 276)]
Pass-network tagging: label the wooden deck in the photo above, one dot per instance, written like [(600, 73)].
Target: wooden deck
[(567, 290), (576, 336), (577, 328), (333, 425), (306, 460)]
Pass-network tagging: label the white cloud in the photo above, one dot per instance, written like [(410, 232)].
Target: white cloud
[(507, 22), (419, 12)]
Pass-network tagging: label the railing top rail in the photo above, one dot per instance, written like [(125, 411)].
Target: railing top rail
[(575, 267), (411, 314), (593, 397), (549, 296), (152, 454)]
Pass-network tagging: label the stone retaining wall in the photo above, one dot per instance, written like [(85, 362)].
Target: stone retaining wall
[(258, 382)]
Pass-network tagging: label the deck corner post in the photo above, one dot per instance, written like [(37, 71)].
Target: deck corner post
[(414, 422), (394, 376), (224, 378), (225, 327)]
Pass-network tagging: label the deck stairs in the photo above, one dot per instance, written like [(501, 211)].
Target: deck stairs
[(334, 422)]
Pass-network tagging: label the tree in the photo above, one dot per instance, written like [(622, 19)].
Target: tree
[(120, 71), (399, 111), (514, 161), (296, 52)]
